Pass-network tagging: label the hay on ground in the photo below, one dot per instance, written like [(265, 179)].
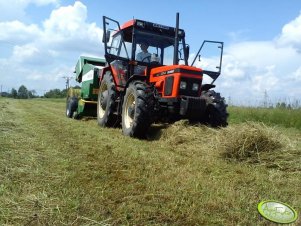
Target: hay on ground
[(247, 141)]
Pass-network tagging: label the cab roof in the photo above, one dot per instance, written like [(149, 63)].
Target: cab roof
[(152, 27)]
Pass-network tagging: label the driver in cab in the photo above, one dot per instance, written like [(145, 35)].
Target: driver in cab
[(144, 55)]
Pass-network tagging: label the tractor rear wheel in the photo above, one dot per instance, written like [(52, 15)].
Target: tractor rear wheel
[(137, 110), (106, 103), (71, 106), (216, 113)]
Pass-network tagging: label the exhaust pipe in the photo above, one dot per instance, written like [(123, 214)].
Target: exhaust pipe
[(175, 55)]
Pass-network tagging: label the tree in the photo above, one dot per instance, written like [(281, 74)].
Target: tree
[(283, 105), (23, 92), (64, 93), (32, 93), (53, 93), (13, 93)]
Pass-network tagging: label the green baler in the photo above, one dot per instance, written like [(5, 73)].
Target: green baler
[(83, 102)]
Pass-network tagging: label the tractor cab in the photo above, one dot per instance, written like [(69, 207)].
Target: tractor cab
[(138, 46), (126, 41)]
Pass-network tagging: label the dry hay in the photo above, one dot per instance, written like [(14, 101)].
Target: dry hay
[(248, 141), (182, 132)]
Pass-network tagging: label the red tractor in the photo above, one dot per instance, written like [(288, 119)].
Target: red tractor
[(147, 79)]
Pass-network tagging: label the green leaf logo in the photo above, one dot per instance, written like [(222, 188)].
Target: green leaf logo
[(277, 212)]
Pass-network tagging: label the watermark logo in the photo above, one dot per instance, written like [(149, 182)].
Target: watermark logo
[(277, 212)]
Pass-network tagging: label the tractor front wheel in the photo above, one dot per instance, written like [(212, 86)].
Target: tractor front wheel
[(137, 110), (106, 103), (216, 113)]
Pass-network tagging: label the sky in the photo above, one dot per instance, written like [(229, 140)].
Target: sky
[(41, 41)]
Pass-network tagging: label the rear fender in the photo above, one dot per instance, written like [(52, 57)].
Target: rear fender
[(103, 72)]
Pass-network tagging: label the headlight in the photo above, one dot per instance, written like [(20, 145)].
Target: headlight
[(195, 87), (183, 85)]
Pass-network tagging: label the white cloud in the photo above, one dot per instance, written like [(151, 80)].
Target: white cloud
[(297, 74), (233, 68), (15, 9), (251, 68), (237, 36), (18, 32), (54, 75), (42, 55), (20, 53), (266, 81), (291, 34), (67, 20), (31, 54), (260, 54), (67, 29)]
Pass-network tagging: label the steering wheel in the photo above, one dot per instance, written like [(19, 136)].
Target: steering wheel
[(149, 58)]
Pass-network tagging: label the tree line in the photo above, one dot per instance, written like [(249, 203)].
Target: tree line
[(24, 93)]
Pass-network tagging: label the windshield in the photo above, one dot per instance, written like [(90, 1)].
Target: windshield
[(156, 48), (150, 48)]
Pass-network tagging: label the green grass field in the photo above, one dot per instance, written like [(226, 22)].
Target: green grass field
[(289, 118), (59, 171)]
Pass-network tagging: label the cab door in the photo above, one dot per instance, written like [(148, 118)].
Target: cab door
[(209, 58)]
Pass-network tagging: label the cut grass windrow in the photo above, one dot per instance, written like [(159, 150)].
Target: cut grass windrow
[(59, 171)]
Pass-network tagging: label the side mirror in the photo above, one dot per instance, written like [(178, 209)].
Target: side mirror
[(187, 49), (106, 37)]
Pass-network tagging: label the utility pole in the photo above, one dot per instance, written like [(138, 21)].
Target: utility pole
[(265, 99), (67, 81), (229, 101)]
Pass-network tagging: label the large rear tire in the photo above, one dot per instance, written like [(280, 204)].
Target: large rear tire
[(216, 114), (137, 110), (106, 102)]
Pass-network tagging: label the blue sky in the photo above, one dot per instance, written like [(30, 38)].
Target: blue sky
[(41, 40)]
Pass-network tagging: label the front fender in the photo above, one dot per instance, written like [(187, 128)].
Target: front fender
[(206, 87), (135, 77)]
